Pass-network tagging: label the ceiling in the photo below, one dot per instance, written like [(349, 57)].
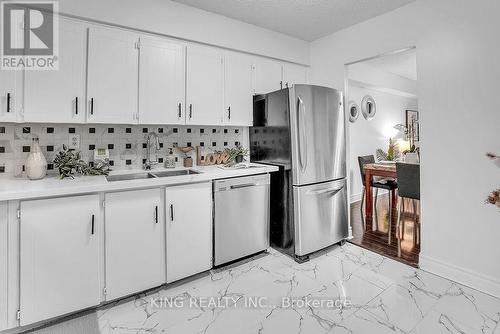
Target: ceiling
[(403, 64), (304, 19)]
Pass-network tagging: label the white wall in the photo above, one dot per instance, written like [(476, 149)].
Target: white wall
[(366, 136), (458, 69), (372, 76), (181, 21)]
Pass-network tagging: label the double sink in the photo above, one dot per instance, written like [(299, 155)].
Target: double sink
[(150, 175)]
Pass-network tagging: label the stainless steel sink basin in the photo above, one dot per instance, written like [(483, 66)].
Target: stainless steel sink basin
[(151, 175), (175, 173), (126, 177)]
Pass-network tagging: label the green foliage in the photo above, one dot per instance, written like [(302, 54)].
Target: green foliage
[(235, 152), (69, 163), (392, 153)]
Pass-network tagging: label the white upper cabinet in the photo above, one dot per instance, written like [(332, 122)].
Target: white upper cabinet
[(268, 75), (113, 74), (59, 256), (162, 83), (135, 242), (238, 90), (11, 89), (205, 86), (10, 95), (294, 74), (59, 96)]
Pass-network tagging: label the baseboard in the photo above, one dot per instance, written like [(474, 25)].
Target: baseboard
[(483, 283)]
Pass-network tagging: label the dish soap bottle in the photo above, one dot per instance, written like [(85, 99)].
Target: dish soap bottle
[(36, 164), (170, 159)]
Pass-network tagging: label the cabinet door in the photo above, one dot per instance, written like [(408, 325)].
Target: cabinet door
[(59, 96), (135, 246), (10, 95), (294, 74), (59, 256), (238, 90), (161, 82), (204, 95), (113, 74), (189, 230), (268, 76)]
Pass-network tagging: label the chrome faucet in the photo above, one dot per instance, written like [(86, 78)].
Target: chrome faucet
[(152, 138)]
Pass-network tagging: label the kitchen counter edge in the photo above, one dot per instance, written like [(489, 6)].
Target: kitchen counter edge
[(23, 189)]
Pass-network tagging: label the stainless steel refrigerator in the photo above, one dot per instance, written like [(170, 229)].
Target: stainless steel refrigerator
[(301, 130)]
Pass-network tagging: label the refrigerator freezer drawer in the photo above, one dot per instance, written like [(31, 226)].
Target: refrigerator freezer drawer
[(320, 215), (241, 217)]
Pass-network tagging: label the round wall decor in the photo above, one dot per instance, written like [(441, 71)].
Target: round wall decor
[(353, 111), (368, 107)]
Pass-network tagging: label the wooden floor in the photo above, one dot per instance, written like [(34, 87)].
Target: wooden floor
[(377, 240)]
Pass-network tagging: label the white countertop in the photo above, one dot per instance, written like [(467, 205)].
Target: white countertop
[(23, 188)]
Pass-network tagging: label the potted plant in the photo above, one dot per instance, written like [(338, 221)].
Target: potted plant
[(69, 162), (236, 155), (392, 153)]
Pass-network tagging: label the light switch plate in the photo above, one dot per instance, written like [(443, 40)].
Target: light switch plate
[(74, 142)]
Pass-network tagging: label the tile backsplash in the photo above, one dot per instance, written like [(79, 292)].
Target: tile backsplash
[(126, 143)]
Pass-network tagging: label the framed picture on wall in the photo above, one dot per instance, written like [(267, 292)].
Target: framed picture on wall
[(412, 125)]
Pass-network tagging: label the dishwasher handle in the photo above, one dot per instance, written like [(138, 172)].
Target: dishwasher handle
[(246, 185)]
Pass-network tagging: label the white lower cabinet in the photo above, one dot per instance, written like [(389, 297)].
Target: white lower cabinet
[(188, 229), (135, 242), (59, 256), (4, 261)]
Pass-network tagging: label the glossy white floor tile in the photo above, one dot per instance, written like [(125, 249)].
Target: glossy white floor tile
[(384, 297)]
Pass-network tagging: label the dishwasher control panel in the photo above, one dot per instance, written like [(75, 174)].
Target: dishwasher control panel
[(241, 182)]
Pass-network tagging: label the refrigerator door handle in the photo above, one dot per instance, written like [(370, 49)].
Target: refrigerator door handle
[(302, 142), (325, 191)]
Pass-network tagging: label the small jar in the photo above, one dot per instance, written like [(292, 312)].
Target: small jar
[(36, 164)]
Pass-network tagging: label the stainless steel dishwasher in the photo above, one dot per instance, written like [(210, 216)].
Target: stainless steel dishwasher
[(241, 217)]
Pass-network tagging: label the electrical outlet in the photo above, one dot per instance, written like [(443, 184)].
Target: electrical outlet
[(74, 142)]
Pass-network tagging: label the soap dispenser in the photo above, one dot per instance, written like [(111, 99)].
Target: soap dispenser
[(170, 159)]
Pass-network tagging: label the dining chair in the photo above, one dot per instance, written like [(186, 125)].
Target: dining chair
[(387, 184), (408, 188)]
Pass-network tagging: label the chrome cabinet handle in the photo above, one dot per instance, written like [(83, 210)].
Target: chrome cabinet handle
[(93, 223), (171, 212), (302, 142), (190, 111), (325, 191), (8, 102), (180, 113)]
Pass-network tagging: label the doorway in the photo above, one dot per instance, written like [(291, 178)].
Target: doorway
[(383, 136)]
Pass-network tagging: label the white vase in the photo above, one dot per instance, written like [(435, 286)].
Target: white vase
[(411, 158), (36, 164)]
